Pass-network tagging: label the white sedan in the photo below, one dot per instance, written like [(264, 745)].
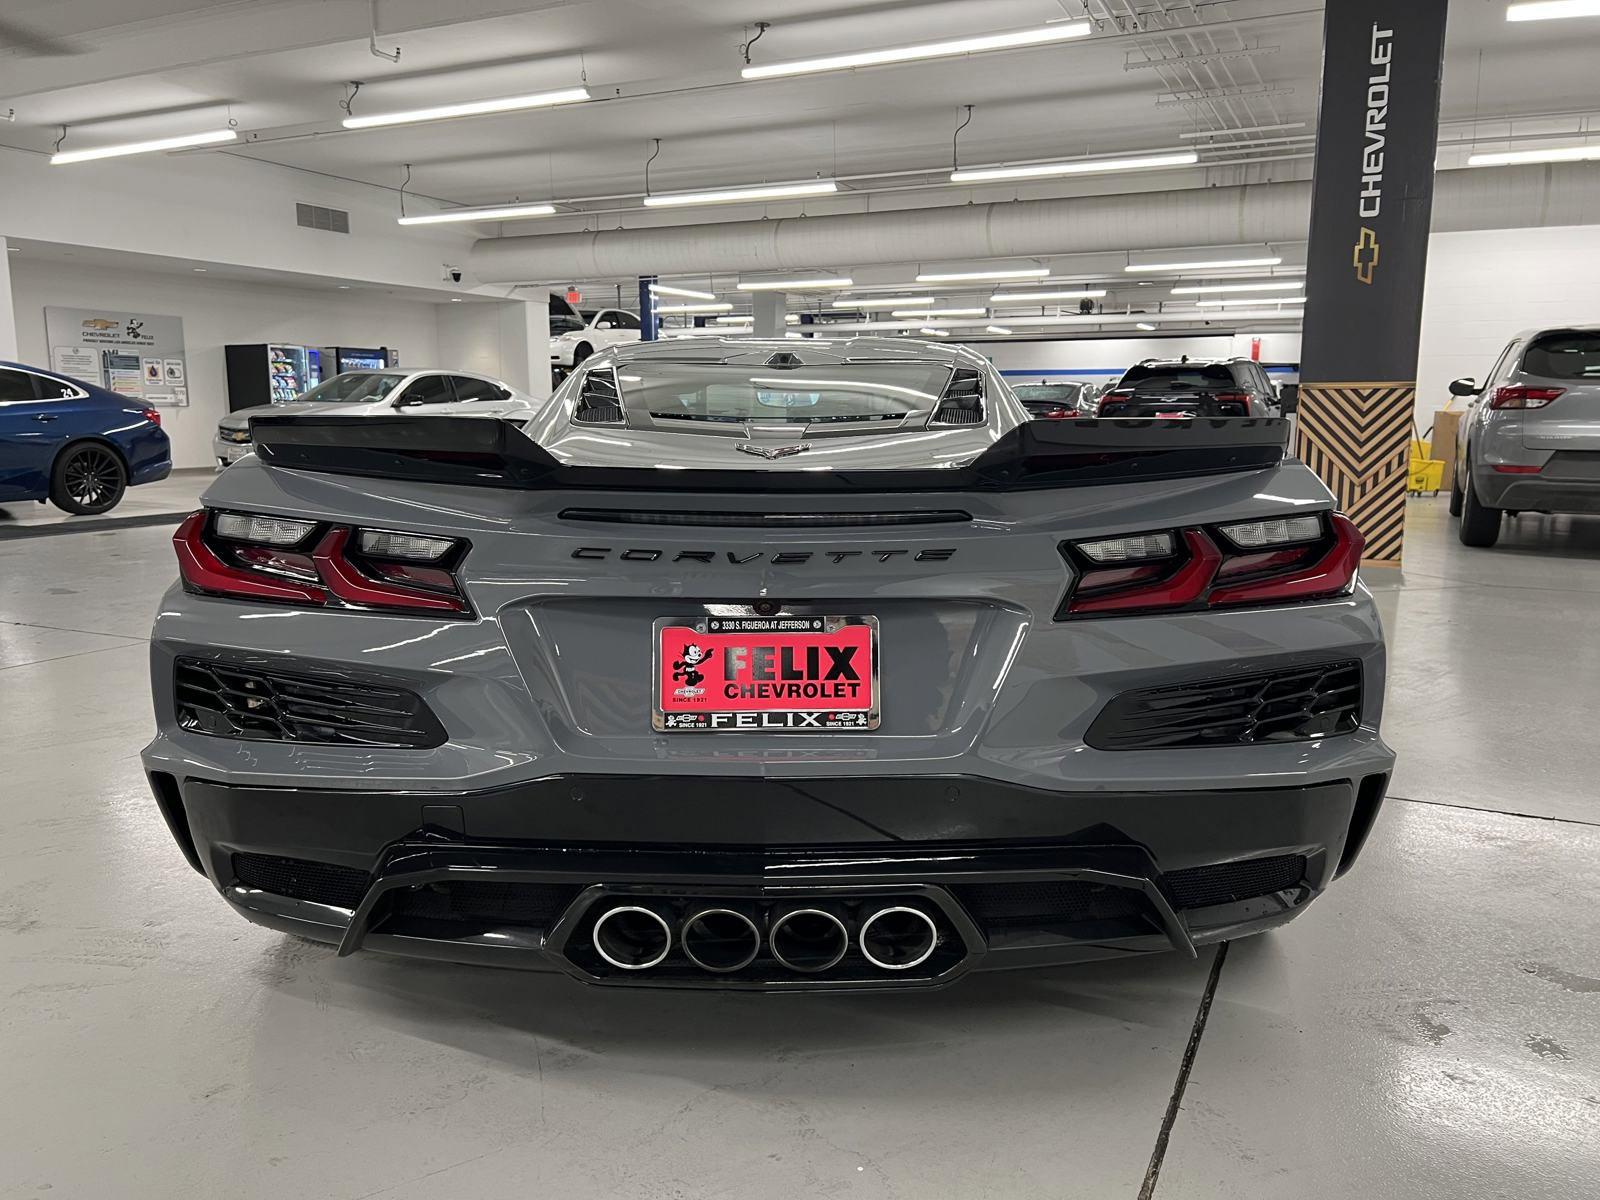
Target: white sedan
[(575, 338), (430, 392)]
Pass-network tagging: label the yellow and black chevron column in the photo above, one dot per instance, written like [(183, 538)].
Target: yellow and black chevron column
[(1356, 436), (1371, 199)]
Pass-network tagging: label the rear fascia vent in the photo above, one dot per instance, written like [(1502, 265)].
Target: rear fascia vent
[(962, 402), (314, 216), (599, 399)]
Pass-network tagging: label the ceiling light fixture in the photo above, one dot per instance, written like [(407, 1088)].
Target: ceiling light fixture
[(1145, 325), (1511, 158), (868, 302), (995, 329), (1206, 264), (475, 108), (1041, 36), (172, 143), (1288, 285), (1552, 10), (929, 331), (940, 312), (1029, 297), (662, 289), (201, 270), (1010, 273), (1086, 166), (721, 306), (741, 319), (1260, 300), (505, 212), (765, 191), (779, 285)]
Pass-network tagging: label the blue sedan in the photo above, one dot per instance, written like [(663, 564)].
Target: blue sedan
[(76, 444)]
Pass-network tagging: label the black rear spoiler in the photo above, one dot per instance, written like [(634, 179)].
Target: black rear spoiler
[(485, 452)]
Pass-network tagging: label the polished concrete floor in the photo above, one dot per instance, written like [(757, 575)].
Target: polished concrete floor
[(1430, 1029), (177, 493)]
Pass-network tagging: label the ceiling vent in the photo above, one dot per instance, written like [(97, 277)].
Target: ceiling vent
[(314, 216)]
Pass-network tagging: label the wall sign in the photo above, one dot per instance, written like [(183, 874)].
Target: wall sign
[(140, 355)]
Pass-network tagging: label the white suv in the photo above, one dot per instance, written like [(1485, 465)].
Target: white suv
[(575, 338)]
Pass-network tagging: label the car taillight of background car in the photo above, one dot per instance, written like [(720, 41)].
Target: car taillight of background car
[(254, 556)]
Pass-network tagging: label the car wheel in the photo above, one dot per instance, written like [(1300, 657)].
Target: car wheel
[(1480, 525), (1455, 491), (581, 352), (89, 478)]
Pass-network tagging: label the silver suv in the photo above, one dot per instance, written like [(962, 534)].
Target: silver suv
[(1531, 439)]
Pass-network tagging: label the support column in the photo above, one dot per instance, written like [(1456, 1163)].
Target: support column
[(9, 342), (649, 321), (1371, 200), (768, 308)]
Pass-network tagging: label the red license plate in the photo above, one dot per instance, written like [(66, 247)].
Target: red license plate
[(782, 674)]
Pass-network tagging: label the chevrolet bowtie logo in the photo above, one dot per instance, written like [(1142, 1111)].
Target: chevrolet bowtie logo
[(772, 451), (1365, 257)]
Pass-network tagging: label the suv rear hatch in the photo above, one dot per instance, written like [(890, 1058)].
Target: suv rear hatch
[(1173, 390), (1560, 375)]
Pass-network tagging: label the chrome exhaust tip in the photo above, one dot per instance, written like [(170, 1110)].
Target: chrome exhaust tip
[(720, 940), (632, 938), (808, 940), (899, 938)]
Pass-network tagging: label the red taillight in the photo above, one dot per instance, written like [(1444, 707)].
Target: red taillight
[(1519, 396), (1232, 404), (1208, 573), (153, 415), (332, 574), (1114, 400), (1514, 469)]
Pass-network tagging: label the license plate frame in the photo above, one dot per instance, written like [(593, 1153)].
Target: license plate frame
[(732, 624)]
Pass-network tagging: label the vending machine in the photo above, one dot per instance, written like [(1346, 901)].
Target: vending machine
[(267, 374)]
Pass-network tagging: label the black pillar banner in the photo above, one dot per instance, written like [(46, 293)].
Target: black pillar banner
[(1371, 200), (649, 319)]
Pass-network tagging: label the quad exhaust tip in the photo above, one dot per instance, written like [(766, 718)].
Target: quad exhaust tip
[(808, 940), (899, 938), (632, 938), (720, 940)]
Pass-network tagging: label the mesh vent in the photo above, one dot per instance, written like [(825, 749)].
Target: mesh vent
[(962, 402), (1279, 706), (599, 403), (314, 216), (270, 706), (484, 904), (1224, 883), (300, 879), (1050, 902)]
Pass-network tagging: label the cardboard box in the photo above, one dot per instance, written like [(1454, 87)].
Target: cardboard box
[(1445, 424)]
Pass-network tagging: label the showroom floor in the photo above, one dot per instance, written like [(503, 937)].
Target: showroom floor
[(1431, 1028)]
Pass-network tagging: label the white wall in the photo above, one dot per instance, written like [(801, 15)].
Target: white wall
[(1486, 285), (509, 339), (216, 314)]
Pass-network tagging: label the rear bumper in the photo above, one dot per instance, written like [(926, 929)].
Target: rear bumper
[(1536, 493), (1012, 876)]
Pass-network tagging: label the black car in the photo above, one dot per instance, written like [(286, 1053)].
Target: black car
[(1185, 387), (1053, 401)]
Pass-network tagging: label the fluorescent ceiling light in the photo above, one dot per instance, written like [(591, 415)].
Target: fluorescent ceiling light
[(1143, 325), (1288, 285), (662, 289), (504, 212), (779, 285), (1003, 297), (765, 191), (741, 319), (869, 302), (171, 143), (1261, 300), (722, 306), (1085, 166), (1204, 264), (1043, 35), (1551, 10), (476, 108), (918, 313), (1508, 158), (1012, 273), (995, 329), (929, 331)]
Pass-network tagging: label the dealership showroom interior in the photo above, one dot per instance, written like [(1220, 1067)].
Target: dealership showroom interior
[(806, 598)]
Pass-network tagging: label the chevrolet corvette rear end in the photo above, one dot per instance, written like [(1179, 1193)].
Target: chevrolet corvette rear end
[(769, 666)]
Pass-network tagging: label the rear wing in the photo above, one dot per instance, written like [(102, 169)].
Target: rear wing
[(485, 452)]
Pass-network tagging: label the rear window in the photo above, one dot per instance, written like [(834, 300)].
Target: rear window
[(1063, 393), (1178, 375), (733, 394), (1564, 356)]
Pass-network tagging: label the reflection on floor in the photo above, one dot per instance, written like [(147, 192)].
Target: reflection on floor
[(1430, 1029)]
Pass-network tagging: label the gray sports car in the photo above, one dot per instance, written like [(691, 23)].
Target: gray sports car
[(769, 665)]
